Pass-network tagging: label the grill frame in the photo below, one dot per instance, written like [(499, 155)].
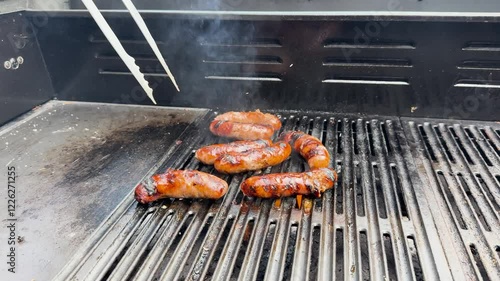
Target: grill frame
[(426, 225)]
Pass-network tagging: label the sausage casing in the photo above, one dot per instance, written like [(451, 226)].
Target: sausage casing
[(254, 159), (180, 184), (253, 117), (208, 154), (313, 182), (242, 131), (309, 147)]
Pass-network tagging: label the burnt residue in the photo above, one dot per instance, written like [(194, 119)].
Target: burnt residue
[(94, 166), (89, 157)]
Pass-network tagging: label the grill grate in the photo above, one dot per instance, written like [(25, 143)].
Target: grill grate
[(377, 224)]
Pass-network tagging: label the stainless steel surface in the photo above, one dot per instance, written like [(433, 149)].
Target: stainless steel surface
[(75, 163), (383, 220), (461, 164)]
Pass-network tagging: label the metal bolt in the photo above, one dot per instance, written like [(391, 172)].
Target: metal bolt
[(20, 60), (14, 64), (7, 64)]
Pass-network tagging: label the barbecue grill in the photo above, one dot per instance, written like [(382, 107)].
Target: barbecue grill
[(405, 99)]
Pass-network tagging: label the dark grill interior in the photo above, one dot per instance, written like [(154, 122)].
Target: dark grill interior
[(416, 199), (412, 196)]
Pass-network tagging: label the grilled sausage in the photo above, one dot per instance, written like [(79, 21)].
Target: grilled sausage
[(254, 159), (288, 184), (309, 147), (242, 131), (180, 184), (208, 154), (252, 117)]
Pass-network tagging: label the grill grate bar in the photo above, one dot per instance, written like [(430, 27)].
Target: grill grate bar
[(351, 257), (377, 271), (327, 242), (399, 246)]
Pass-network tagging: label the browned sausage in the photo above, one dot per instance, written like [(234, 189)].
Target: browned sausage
[(242, 131), (288, 184), (309, 147), (180, 184), (254, 159), (208, 154), (252, 117)]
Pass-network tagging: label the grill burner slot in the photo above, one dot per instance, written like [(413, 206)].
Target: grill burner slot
[(376, 223)]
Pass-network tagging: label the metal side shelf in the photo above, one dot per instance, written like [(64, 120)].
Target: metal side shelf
[(416, 200), (75, 162)]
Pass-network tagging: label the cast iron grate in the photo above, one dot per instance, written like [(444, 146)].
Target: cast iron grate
[(377, 224)]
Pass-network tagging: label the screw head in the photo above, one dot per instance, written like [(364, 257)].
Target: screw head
[(7, 64), (20, 60)]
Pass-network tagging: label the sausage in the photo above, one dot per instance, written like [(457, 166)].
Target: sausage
[(208, 154), (252, 117), (288, 184), (180, 184), (254, 159), (309, 147), (242, 131)]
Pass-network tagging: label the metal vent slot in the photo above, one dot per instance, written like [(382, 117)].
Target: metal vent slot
[(360, 201), (367, 62), (386, 139), (372, 44), (339, 254), (127, 73), (479, 263), (390, 261), (471, 83), (451, 200), (428, 146), (354, 138), (244, 60), (415, 259), (255, 42), (314, 253), (99, 38), (482, 46), (264, 259), (339, 193), (339, 136), (365, 256), (389, 81), (381, 204), (399, 193), (137, 57), (290, 251), (370, 138), (480, 65), (250, 77)]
